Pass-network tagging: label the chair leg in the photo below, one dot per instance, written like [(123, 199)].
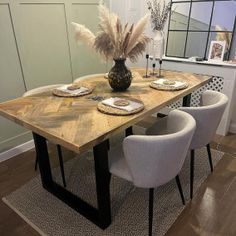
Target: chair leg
[(61, 165), (129, 131), (36, 162), (191, 173), (151, 197), (161, 115), (180, 189), (209, 156)]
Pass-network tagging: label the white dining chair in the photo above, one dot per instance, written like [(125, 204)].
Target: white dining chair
[(41, 89), (208, 116), (151, 160), (36, 91), (82, 78)]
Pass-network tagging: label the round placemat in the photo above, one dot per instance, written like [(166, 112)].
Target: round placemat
[(119, 112), (169, 87), (59, 93)]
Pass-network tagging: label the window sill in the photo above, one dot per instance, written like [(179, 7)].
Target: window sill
[(208, 63)]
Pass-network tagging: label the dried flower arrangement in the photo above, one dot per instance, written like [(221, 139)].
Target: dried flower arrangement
[(114, 40), (223, 36), (159, 13)]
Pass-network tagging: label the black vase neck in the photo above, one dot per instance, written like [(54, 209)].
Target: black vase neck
[(119, 60)]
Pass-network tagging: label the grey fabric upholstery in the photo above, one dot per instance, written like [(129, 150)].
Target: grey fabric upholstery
[(41, 89), (87, 76), (152, 160), (207, 116)]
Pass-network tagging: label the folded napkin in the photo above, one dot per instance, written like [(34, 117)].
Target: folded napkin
[(176, 85), (132, 105), (75, 92)]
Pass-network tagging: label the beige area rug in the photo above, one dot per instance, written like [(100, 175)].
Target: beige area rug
[(49, 216)]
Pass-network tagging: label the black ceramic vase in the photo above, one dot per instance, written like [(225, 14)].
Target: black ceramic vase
[(119, 76)]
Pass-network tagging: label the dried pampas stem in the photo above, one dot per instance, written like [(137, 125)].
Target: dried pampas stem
[(138, 48), (114, 41), (160, 11), (104, 46), (127, 39), (108, 22), (137, 32), (84, 34)]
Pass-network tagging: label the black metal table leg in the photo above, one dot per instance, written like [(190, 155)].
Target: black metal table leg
[(129, 131), (101, 216), (180, 189), (103, 177), (187, 100), (43, 160), (209, 156), (59, 152)]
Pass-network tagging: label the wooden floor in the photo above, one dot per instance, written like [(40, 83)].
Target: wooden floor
[(213, 209), (211, 212)]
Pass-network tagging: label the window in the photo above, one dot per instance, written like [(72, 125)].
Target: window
[(193, 24)]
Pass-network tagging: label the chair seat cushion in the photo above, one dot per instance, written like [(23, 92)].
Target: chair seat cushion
[(118, 165)]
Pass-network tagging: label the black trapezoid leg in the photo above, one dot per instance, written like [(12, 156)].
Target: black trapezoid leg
[(180, 189), (191, 173), (108, 144), (36, 162), (187, 100), (150, 212), (209, 156), (43, 160), (103, 177), (59, 152), (129, 131), (101, 216)]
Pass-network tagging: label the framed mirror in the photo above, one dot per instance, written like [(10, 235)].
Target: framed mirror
[(193, 24), (199, 18), (179, 16)]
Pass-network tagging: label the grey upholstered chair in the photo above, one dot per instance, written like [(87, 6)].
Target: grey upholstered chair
[(87, 76), (33, 92), (41, 89), (208, 117), (149, 161)]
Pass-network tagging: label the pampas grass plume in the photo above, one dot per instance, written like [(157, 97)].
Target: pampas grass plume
[(113, 40), (84, 34)]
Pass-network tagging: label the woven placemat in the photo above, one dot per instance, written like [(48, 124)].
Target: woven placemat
[(60, 93), (169, 87), (119, 112)]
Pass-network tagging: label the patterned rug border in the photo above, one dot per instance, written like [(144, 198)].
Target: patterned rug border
[(23, 217)]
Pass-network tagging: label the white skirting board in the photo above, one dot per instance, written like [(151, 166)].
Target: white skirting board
[(16, 150)]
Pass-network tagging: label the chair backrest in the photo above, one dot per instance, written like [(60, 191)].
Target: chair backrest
[(207, 116), (87, 76), (154, 160), (41, 89)]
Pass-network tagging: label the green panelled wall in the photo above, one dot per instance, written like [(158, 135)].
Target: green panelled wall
[(37, 47)]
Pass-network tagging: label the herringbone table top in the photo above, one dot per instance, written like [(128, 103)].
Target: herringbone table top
[(76, 124)]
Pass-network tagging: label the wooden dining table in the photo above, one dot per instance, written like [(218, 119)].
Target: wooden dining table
[(76, 124)]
